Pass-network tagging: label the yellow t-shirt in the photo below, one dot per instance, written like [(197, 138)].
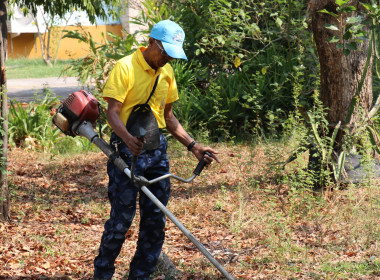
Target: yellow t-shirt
[(131, 82)]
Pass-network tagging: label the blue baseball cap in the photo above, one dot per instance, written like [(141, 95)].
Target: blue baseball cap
[(171, 36)]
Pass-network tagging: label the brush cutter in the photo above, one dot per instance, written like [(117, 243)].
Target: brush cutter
[(77, 116)]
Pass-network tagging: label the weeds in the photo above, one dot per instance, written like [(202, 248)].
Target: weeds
[(352, 270), (31, 124)]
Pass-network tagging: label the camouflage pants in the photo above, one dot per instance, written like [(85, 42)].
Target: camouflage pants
[(122, 196)]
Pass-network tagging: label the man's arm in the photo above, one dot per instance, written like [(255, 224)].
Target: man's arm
[(113, 118), (179, 133)]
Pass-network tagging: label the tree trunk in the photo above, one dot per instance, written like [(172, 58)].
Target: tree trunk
[(4, 191), (340, 75), (44, 52)]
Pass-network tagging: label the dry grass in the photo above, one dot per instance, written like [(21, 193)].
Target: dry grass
[(259, 222)]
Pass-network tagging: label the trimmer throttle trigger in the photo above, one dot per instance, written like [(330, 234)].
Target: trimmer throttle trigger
[(201, 165)]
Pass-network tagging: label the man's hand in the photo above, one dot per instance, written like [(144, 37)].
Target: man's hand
[(135, 145), (200, 152)]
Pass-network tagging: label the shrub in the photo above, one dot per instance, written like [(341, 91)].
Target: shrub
[(30, 125), (252, 52)]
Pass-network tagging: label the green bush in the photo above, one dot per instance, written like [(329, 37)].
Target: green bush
[(31, 126), (188, 77), (252, 52)]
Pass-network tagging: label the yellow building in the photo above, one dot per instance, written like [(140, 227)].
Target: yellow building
[(23, 39), (28, 44)]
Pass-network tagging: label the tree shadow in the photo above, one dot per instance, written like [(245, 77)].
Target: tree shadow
[(195, 190), (87, 188)]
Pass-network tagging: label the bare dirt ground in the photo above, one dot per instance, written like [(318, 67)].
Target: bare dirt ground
[(253, 222)]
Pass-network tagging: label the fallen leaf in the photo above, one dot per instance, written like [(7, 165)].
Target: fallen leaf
[(46, 265), (350, 254)]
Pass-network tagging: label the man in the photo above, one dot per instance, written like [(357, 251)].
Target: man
[(131, 83)]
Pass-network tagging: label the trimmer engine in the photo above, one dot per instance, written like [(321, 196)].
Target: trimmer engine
[(80, 106)]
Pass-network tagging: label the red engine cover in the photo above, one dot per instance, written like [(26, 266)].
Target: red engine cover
[(83, 105)]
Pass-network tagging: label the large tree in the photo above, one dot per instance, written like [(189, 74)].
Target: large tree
[(343, 33), (93, 8)]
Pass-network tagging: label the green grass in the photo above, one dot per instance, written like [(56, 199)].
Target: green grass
[(348, 270), (22, 68)]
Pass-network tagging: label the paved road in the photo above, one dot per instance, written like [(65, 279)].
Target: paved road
[(24, 90)]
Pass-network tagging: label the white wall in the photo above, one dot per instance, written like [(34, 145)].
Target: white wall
[(131, 9)]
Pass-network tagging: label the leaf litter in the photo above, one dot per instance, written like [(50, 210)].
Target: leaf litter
[(249, 221)]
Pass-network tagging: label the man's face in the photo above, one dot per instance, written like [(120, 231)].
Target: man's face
[(160, 57)]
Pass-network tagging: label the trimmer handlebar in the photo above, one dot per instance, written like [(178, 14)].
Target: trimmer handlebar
[(141, 181), (197, 171)]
